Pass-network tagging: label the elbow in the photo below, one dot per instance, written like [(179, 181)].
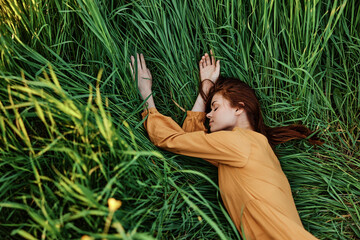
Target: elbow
[(164, 143), (168, 144)]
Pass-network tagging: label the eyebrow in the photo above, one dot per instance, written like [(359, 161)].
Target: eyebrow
[(213, 103)]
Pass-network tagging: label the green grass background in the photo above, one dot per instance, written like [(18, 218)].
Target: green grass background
[(71, 135)]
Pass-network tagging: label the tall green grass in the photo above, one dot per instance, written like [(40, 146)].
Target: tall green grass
[(71, 135)]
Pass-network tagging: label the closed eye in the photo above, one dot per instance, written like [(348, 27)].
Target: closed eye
[(215, 109)]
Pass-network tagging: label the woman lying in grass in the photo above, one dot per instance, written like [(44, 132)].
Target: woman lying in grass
[(254, 189)]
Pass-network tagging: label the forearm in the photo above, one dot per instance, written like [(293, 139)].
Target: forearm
[(199, 105), (149, 102)]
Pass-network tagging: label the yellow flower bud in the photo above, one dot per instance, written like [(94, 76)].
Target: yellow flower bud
[(86, 237), (114, 204)]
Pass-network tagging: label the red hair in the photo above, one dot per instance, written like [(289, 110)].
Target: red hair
[(236, 91)]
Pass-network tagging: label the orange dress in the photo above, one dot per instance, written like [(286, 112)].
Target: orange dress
[(253, 187)]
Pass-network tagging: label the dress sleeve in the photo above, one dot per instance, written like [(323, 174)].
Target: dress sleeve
[(222, 147), (194, 121)]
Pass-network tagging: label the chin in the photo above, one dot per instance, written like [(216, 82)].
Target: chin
[(212, 129)]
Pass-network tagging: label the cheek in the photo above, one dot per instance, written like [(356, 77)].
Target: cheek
[(219, 117), (224, 117)]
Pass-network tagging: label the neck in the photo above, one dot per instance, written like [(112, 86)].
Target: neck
[(243, 122)]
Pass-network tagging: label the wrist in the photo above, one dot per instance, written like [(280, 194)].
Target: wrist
[(145, 93), (206, 85), (149, 102)]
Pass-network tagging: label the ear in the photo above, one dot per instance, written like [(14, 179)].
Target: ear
[(240, 109)]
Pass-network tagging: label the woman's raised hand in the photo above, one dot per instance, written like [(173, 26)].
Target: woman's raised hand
[(144, 75), (209, 69)]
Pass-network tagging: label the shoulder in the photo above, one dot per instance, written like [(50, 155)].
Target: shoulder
[(238, 137), (251, 136), (232, 140), (237, 133)]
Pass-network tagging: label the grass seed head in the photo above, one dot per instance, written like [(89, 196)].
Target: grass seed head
[(114, 204)]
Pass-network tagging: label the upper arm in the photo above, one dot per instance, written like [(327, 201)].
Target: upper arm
[(223, 147)]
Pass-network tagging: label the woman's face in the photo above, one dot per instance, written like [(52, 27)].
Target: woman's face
[(222, 115)]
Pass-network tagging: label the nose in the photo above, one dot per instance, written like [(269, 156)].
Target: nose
[(209, 115)]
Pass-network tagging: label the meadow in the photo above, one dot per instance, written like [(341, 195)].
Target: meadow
[(71, 134)]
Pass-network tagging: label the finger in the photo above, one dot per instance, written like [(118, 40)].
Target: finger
[(212, 57), (132, 60), (149, 73), (132, 63), (138, 61), (143, 63), (203, 61), (132, 71), (217, 67), (208, 62)]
